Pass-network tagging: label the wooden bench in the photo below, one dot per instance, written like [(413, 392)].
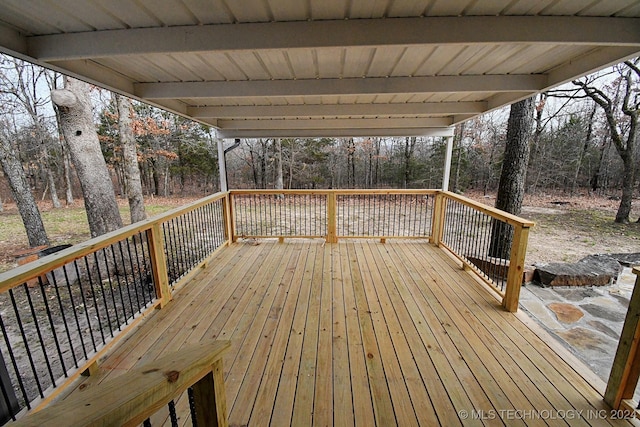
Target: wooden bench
[(133, 397)]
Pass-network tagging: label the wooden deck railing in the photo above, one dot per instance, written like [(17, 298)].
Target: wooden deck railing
[(490, 242), (133, 397), (62, 312), (332, 214), (625, 371)]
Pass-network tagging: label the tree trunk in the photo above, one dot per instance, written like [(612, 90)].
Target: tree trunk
[(27, 207), (513, 176), (50, 178), (76, 119), (133, 184), (279, 185), (457, 145), (585, 148), (409, 146)]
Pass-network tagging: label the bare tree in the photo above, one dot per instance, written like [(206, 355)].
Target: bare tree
[(279, 185), (76, 119), (625, 145), (133, 184), (21, 81), (21, 192), (513, 176)]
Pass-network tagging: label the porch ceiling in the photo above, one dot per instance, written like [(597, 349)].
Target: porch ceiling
[(285, 68)]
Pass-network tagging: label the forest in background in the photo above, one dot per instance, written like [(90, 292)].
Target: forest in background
[(571, 150)]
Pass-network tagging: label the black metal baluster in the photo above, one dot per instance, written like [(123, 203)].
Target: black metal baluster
[(14, 363), (75, 314), (39, 331), (25, 341), (133, 275), (125, 319), (54, 334), (172, 414), (93, 296), (64, 319), (102, 291), (84, 304), (128, 265), (192, 407)]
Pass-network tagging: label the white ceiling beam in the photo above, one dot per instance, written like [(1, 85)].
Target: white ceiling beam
[(334, 123), (338, 133), (321, 110), (12, 42), (342, 33), (327, 87), (597, 59)]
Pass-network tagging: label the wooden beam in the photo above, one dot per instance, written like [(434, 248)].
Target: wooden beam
[(317, 34), (372, 124), (328, 132), (336, 110), (339, 87)]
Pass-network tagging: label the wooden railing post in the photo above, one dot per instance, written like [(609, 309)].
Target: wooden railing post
[(332, 219), (516, 268), (159, 264), (228, 218), (210, 402), (626, 364), (437, 221)]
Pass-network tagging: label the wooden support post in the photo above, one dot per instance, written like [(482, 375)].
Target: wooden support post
[(209, 398), (626, 364), (228, 219), (91, 370), (159, 264), (516, 268), (332, 220), (437, 221)]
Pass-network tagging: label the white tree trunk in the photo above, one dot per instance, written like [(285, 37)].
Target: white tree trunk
[(133, 185), (76, 120)]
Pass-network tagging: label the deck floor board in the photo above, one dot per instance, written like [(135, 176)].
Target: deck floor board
[(361, 333)]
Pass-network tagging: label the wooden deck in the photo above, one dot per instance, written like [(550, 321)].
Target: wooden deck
[(363, 333)]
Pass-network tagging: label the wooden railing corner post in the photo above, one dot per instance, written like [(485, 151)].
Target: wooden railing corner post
[(332, 220), (438, 218), (159, 264), (626, 363), (516, 268)]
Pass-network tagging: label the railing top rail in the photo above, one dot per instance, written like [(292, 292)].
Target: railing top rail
[(494, 212), (341, 191), (20, 274), (134, 396)]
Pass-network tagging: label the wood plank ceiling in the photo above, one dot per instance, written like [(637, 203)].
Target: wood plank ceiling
[(307, 68)]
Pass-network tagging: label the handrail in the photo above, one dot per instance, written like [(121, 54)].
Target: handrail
[(63, 311), (25, 272), (490, 242), (332, 214), (495, 249), (625, 370), (132, 397)]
